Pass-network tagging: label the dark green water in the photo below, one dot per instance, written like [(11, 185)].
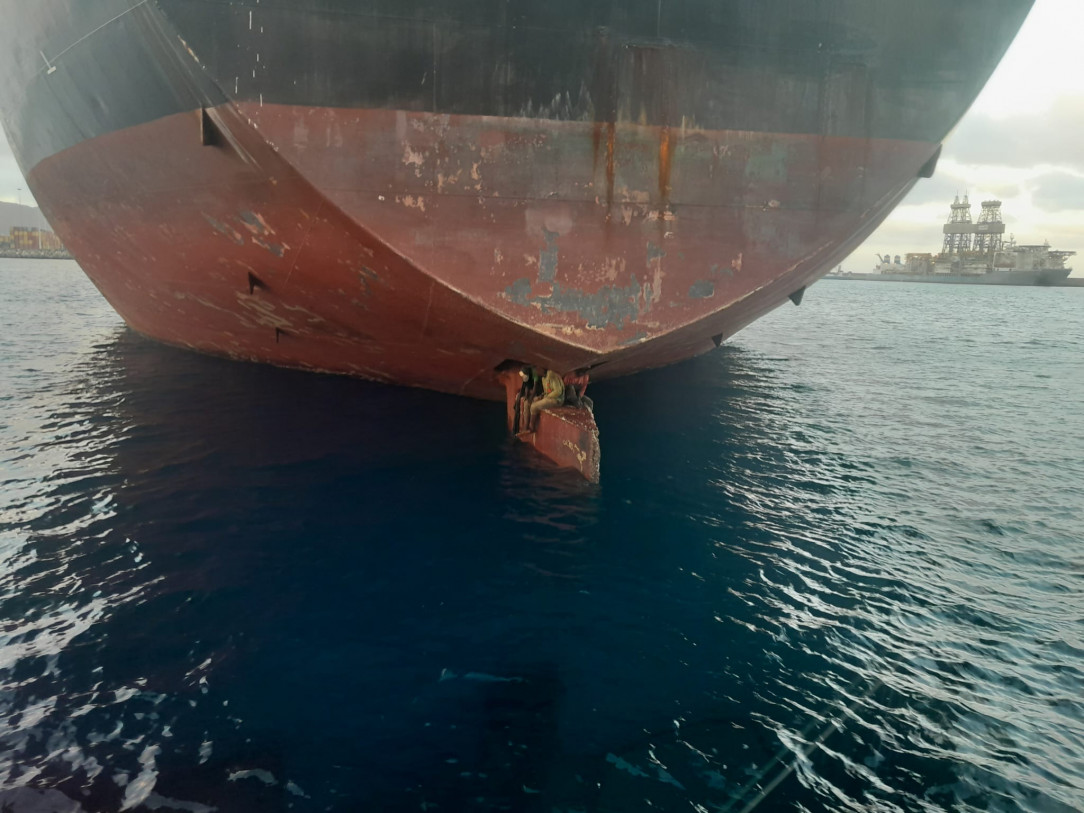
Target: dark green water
[(835, 565)]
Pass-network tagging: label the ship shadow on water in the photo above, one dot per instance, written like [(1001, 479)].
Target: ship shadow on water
[(317, 592)]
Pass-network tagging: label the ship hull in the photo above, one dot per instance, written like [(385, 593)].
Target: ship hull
[(284, 271), (256, 183)]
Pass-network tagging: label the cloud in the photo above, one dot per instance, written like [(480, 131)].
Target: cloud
[(1058, 191), (896, 237), (904, 237), (1059, 236), (1042, 64), (1003, 191), (1050, 138), (941, 188), (10, 177)]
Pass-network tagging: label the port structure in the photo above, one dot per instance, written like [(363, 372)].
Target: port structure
[(982, 238), (990, 230), (959, 229)]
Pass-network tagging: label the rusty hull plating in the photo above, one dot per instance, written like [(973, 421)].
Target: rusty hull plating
[(422, 196)]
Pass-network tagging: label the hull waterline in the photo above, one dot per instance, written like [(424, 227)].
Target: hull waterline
[(422, 198)]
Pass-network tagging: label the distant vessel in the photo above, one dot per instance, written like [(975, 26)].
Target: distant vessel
[(974, 253)]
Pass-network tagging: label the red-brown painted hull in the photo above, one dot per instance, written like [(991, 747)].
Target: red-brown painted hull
[(569, 437), (427, 249)]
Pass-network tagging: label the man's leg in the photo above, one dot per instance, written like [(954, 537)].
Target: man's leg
[(538, 406), (519, 414)]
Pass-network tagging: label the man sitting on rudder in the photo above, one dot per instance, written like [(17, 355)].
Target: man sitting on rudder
[(554, 396)]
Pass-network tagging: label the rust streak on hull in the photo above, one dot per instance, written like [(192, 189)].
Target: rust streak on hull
[(664, 167), (445, 260)]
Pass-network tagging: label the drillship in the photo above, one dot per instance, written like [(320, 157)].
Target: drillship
[(428, 191), (975, 254)]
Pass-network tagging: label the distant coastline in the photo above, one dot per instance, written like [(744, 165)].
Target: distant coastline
[(32, 242), (34, 254), (1068, 282)]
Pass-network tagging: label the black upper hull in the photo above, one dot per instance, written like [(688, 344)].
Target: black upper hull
[(860, 68)]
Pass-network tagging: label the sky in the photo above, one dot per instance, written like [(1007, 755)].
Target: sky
[(1020, 143)]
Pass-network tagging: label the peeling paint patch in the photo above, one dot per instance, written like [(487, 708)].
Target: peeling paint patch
[(274, 248), (259, 229), (547, 257), (727, 269), (519, 291), (255, 223), (413, 158), (702, 289), (610, 306), (411, 202), (263, 313), (612, 267), (580, 454), (443, 180), (367, 276), (653, 292), (222, 228)]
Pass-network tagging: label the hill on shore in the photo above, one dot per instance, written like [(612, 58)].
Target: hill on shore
[(12, 214)]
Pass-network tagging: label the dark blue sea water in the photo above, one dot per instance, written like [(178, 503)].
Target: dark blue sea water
[(835, 565)]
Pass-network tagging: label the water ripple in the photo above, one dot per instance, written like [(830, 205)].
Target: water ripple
[(833, 566)]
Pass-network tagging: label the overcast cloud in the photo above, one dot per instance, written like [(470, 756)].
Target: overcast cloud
[(11, 180), (1052, 137), (1058, 192)]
